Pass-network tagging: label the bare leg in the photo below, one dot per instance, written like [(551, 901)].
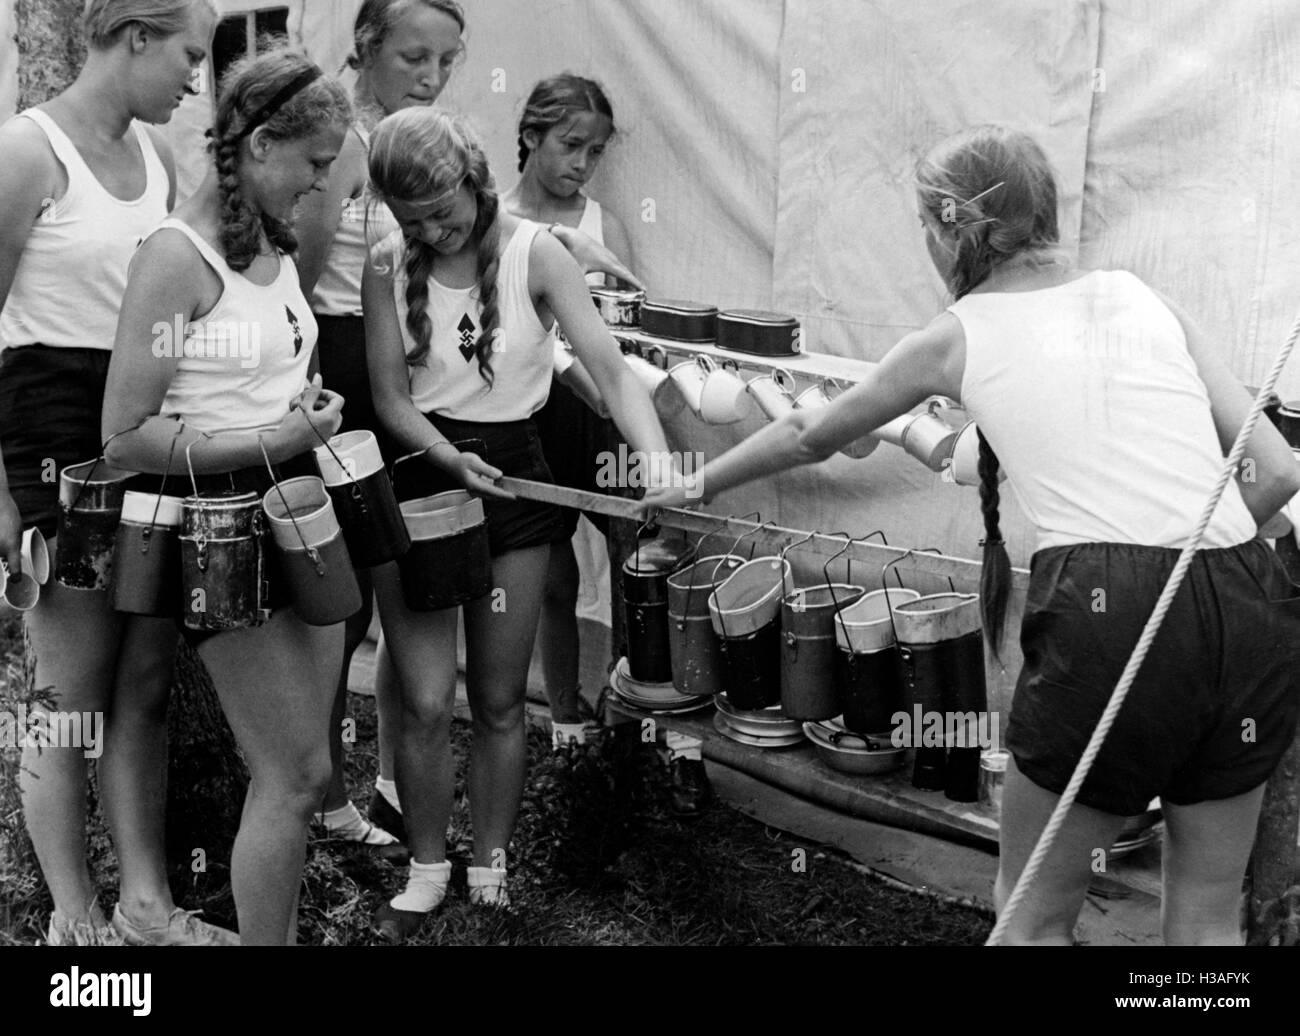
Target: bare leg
[(388, 709), (276, 684), (422, 648), (1207, 847), (133, 772), (354, 634), (558, 634), (74, 635), (499, 634), (1048, 912)]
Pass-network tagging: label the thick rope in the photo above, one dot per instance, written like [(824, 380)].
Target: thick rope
[(1143, 645)]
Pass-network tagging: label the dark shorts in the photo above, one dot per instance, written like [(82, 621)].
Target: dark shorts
[(245, 480), (515, 448), (51, 401), (573, 439), (1214, 705), (341, 351)]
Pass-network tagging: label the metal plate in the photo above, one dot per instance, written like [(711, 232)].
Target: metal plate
[(721, 725), (697, 705), (761, 723)]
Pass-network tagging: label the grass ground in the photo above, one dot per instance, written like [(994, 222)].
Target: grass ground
[(598, 860)]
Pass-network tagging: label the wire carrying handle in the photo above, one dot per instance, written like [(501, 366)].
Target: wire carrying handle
[(693, 556), (721, 618), (785, 551), (101, 459), (147, 535), (312, 553), (826, 572), (884, 576)]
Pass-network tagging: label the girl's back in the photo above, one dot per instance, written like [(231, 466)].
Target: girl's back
[(1094, 405)]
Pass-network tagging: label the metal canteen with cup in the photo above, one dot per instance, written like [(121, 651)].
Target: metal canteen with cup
[(817, 397)]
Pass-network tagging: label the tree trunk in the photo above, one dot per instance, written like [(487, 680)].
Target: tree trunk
[(50, 48)]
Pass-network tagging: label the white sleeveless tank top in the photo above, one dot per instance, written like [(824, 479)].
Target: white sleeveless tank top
[(364, 220), (71, 277), (448, 381), (1094, 406), (246, 360)]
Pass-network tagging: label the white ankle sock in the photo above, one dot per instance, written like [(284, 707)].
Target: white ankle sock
[(347, 823), (388, 789), (426, 887), (487, 885), (563, 733)]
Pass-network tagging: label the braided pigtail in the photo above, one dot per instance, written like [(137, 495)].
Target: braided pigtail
[(261, 95), (488, 230), (995, 578), (240, 235), (419, 268)]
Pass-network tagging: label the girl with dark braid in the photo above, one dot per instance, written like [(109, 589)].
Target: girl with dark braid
[(459, 307), (1112, 417), (223, 263)]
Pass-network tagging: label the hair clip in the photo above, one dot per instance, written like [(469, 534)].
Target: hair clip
[(981, 194)]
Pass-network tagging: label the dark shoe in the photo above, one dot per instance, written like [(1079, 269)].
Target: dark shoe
[(396, 926), (383, 815), (689, 789)]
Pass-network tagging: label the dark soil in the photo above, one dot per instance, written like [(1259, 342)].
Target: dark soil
[(598, 859)]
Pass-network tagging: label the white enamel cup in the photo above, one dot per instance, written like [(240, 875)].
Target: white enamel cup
[(723, 399)]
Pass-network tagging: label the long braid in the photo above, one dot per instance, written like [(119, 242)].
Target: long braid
[(995, 578), (419, 268), (489, 264), (239, 220)]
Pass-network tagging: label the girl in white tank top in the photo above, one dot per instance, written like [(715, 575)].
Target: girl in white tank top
[(405, 53), (211, 358), (81, 183), (565, 128), (1113, 418), (492, 287)]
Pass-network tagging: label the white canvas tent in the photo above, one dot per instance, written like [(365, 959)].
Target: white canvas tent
[(765, 149)]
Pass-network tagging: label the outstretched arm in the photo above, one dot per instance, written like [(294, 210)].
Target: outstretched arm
[(558, 282), (924, 363)]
